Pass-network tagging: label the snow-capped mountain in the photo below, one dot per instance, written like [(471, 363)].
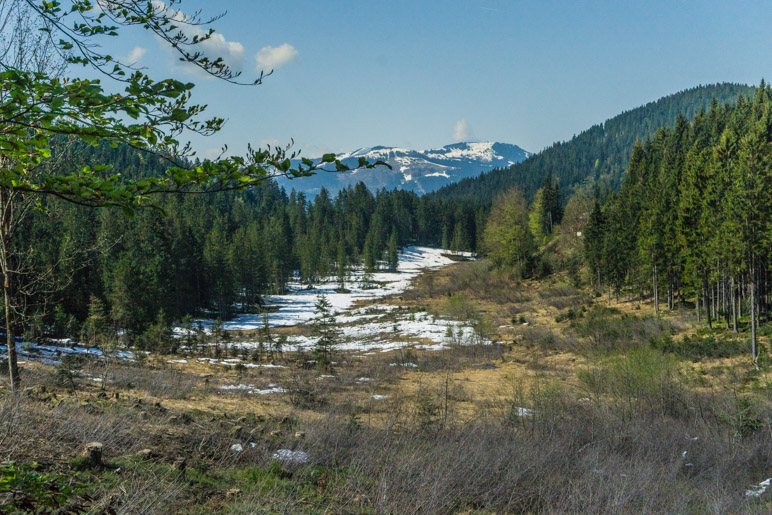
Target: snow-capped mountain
[(422, 171)]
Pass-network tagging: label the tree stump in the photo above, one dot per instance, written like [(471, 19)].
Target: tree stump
[(93, 452)]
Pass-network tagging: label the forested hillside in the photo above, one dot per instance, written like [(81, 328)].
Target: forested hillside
[(693, 218), (600, 154), (216, 253)]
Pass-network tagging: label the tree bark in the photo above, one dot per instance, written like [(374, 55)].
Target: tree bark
[(13, 366), (6, 224), (699, 314), (706, 289), (734, 305), (752, 285)]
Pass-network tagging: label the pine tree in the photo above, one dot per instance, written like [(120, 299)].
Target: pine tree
[(594, 238), (94, 331), (392, 251), (324, 328)]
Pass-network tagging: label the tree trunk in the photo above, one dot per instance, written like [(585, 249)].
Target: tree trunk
[(6, 224), (725, 294), (752, 285), (13, 366), (699, 314), (734, 305), (706, 289), (656, 291)]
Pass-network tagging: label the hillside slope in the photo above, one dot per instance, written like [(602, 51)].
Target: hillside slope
[(600, 153)]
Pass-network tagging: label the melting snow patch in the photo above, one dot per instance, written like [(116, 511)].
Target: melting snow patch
[(364, 380), (524, 412), (176, 360), (298, 306), (237, 447), (380, 397), (251, 389), (289, 456), (758, 490), (407, 365)]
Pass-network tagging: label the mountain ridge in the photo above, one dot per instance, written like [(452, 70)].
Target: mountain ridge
[(420, 171)]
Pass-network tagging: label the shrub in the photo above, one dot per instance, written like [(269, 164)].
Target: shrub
[(24, 490), (66, 371), (642, 380), (607, 329), (459, 306), (697, 347)]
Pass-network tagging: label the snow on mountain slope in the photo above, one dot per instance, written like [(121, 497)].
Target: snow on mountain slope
[(414, 170)]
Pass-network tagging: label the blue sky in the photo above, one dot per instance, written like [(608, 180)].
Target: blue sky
[(422, 74)]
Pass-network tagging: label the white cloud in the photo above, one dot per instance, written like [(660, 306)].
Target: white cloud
[(231, 52), (136, 55), (270, 58), (462, 131)]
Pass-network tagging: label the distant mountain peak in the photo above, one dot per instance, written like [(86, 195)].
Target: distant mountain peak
[(422, 171)]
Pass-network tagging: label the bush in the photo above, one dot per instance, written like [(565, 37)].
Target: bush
[(67, 370), (607, 329), (697, 347), (643, 380), (459, 306), (24, 490)]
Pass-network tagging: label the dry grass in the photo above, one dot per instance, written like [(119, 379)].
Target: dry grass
[(575, 416)]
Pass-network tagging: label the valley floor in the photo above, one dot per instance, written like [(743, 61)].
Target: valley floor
[(469, 391)]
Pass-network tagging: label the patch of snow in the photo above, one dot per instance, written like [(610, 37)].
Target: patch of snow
[(299, 305), (52, 352), (176, 361), (251, 389), (480, 151), (237, 447), (524, 412), (758, 490), (290, 456), (380, 397)]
